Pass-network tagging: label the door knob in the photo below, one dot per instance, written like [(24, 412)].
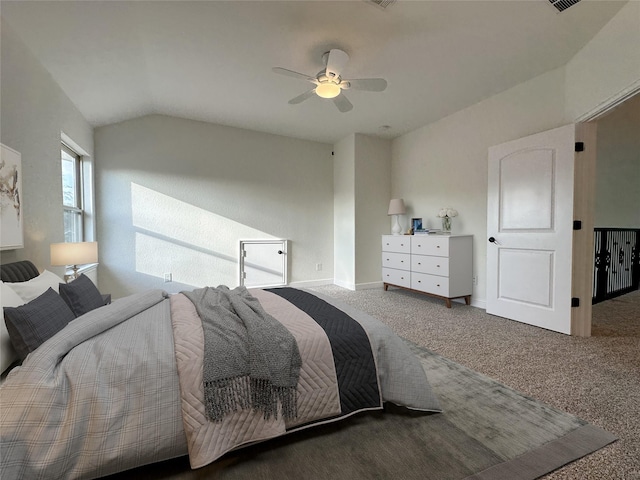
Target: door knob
[(280, 252), (492, 240)]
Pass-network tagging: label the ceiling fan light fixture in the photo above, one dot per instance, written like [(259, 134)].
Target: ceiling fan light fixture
[(328, 90)]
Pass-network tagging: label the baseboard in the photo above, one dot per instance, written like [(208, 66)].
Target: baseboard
[(479, 303), (311, 283), (369, 286), (348, 286)]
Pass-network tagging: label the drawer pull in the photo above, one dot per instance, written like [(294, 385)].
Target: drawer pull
[(438, 246), (419, 263), (438, 266), (419, 281), (438, 285), (419, 246)]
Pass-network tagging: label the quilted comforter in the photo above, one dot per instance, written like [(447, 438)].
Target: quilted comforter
[(121, 386)]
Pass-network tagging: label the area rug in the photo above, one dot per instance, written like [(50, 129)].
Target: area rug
[(487, 431)]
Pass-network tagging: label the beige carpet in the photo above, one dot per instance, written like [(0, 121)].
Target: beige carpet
[(595, 378)]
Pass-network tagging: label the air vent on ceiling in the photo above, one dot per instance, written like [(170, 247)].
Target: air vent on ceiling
[(562, 5), (381, 3)]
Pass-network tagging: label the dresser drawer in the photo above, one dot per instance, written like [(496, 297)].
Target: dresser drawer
[(396, 277), (400, 261), (430, 245), (396, 243), (430, 284), (430, 264)]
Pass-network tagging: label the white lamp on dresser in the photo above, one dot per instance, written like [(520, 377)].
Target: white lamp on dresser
[(396, 208)]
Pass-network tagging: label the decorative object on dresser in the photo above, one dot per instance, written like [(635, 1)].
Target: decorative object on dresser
[(437, 265), (416, 225), (446, 214), (396, 208), (74, 254)]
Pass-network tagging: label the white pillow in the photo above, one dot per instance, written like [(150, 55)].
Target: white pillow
[(36, 286), (8, 298)]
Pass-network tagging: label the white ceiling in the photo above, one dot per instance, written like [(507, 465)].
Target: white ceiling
[(212, 60)]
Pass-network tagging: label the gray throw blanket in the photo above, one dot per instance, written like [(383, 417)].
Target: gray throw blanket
[(261, 358)]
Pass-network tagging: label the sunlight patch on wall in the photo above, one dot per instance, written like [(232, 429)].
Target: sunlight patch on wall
[(196, 246)]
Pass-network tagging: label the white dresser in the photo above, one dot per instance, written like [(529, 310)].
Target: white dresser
[(438, 265)]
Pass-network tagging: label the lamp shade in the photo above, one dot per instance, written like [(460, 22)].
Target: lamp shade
[(396, 207), (74, 253)]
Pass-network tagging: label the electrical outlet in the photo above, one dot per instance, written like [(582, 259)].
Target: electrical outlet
[(475, 280), (167, 278), (318, 267)]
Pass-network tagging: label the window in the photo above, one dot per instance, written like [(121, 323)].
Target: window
[(72, 195)]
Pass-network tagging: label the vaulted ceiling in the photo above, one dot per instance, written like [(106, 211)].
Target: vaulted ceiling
[(212, 60)]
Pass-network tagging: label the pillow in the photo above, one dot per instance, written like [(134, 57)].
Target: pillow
[(36, 286), (30, 325), (8, 355), (81, 295)]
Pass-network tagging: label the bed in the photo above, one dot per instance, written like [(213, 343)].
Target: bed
[(145, 378)]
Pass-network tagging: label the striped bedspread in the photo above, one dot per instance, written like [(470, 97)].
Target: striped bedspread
[(119, 386)]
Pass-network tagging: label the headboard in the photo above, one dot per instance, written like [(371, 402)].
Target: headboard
[(18, 271)]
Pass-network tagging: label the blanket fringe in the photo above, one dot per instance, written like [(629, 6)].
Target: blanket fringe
[(230, 395)]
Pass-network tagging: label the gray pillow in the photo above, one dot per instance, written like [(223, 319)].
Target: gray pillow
[(32, 324), (81, 295)]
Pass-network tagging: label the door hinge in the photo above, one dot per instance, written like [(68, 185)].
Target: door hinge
[(579, 146), (575, 302), (577, 224)]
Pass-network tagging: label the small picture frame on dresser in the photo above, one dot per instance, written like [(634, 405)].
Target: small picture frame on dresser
[(416, 224)]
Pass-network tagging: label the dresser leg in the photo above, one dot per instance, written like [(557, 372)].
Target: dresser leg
[(386, 287), (448, 301), (467, 300)]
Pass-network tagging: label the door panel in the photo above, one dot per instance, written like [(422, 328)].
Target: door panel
[(526, 190), (529, 222), (539, 267)]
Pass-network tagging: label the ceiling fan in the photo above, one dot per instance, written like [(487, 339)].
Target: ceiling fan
[(329, 82)]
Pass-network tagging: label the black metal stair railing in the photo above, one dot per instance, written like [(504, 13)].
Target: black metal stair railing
[(617, 263)]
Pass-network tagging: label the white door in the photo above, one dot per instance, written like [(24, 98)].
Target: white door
[(530, 229), (263, 263)]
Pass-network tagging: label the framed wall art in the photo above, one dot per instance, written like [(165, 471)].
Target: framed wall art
[(11, 210)]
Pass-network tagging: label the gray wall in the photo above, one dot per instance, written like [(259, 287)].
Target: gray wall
[(361, 181), (176, 196), (444, 164), (372, 195), (34, 114), (617, 201)]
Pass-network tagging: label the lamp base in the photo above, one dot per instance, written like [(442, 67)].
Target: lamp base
[(397, 228), (73, 276)]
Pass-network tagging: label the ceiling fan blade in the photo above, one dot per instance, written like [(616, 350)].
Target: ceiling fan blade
[(368, 84), (336, 61), (343, 103), (291, 73), (303, 97)]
